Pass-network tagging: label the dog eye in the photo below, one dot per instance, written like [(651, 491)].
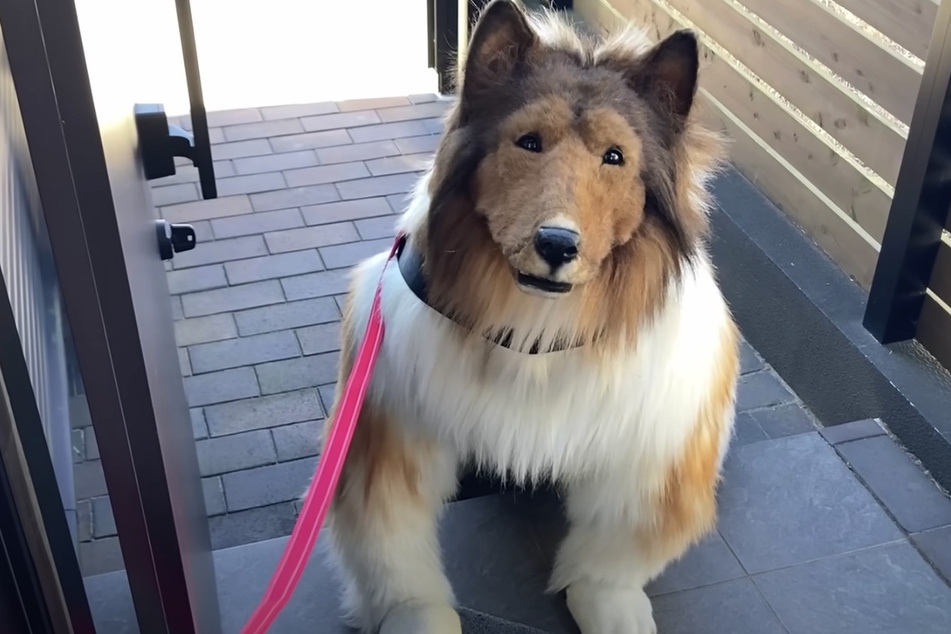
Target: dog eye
[(530, 142), (613, 157)]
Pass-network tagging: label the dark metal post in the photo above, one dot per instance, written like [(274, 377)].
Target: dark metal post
[(445, 42), (922, 199)]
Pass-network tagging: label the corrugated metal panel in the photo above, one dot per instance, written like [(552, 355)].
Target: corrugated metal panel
[(30, 276)]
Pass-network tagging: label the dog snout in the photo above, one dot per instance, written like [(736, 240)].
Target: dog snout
[(557, 245)]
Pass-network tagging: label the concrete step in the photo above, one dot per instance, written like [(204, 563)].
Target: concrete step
[(496, 554)]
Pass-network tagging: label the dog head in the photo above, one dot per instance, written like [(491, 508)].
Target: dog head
[(576, 146)]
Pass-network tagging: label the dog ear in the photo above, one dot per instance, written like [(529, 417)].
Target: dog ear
[(500, 40), (667, 74)]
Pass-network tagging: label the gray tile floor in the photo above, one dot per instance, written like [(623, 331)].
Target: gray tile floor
[(840, 520)]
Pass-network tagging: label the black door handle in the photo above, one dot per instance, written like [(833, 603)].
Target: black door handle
[(159, 142), (202, 143)]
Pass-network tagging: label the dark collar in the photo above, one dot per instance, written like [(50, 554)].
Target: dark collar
[(410, 261)]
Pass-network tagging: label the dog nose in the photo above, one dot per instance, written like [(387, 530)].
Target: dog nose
[(556, 245)]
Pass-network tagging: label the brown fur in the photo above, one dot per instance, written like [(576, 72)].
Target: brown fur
[(687, 504), (640, 222)]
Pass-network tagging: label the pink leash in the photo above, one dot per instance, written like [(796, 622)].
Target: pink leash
[(311, 518)]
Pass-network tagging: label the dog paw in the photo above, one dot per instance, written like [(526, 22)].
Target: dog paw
[(602, 609), (415, 618)]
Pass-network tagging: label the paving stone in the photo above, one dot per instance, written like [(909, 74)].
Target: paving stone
[(316, 284), (297, 441), (235, 452), (214, 494), (241, 149), (172, 194), (294, 374), (261, 222), (750, 361), (346, 210), (221, 387), (327, 393), (706, 563), (199, 428), (399, 164), (310, 237), (372, 103), (184, 362), (761, 389), (263, 412), (340, 120), (203, 231), (78, 445), (792, 500), (320, 339), (288, 315), (856, 430), (104, 521), (272, 484), (294, 197), (398, 202), (196, 279), (416, 111), (298, 110), (435, 126), (784, 420), (418, 144), (387, 131), (207, 209), (346, 255), (89, 480), (733, 607), (275, 162), (92, 445), (910, 495), (221, 251), (189, 332), (746, 430), (253, 525), (222, 300), (274, 266), (216, 136), (100, 556), (375, 228), (377, 186), (884, 590), (341, 300), (325, 174), (263, 129), (232, 353), (357, 152), (84, 520), (935, 545), (251, 183), (310, 141), (426, 98), (177, 311)]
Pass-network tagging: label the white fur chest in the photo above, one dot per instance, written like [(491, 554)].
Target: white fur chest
[(557, 414)]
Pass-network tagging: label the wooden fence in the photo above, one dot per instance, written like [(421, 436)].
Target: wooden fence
[(817, 97)]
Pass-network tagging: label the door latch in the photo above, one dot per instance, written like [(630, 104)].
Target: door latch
[(174, 238)]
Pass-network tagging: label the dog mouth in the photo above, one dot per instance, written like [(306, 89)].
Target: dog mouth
[(541, 283)]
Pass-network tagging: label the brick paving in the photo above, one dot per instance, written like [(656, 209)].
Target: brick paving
[(305, 192)]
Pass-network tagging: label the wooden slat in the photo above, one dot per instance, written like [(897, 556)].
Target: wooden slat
[(792, 194), (844, 184), (883, 75), (876, 144), (907, 22), (934, 331), (940, 283)]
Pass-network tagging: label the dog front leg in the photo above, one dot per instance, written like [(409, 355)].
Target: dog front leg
[(383, 527), (617, 542)]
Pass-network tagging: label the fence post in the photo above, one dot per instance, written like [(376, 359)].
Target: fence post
[(922, 198)]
